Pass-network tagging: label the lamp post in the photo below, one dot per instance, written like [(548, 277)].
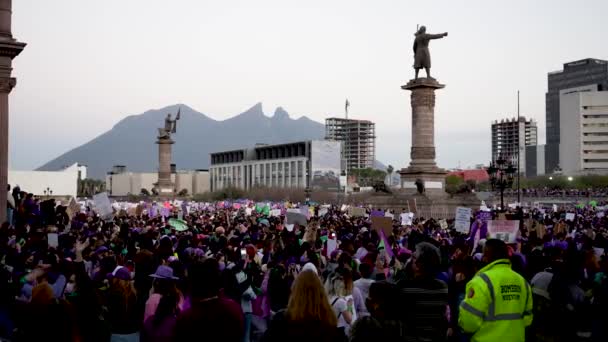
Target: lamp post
[(48, 191), (307, 192), (501, 177)]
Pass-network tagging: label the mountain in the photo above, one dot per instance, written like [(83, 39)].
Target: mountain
[(131, 141)]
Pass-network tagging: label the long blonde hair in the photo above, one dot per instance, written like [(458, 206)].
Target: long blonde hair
[(308, 301)]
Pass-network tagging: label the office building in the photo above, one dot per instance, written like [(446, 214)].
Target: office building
[(314, 164), (509, 135), (535, 160), (358, 138), (575, 74), (583, 115)]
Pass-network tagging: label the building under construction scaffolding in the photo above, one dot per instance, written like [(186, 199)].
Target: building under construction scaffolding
[(358, 139)]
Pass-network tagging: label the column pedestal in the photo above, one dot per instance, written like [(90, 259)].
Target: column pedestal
[(422, 165), (164, 186)]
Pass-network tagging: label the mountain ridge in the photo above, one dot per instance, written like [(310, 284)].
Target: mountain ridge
[(131, 141)]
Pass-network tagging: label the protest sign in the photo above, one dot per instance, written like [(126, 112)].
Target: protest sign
[(294, 216), (322, 212), (484, 216), (103, 207), (52, 239), (389, 215), (73, 207), (275, 212), (443, 224), (248, 211), (570, 216), (462, 224), (377, 213), (384, 224), (332, 245), (406, 219), (505, 230), (356, 212), (598, 252)]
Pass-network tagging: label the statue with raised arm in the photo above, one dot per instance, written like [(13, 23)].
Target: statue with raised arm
[(422, 56), (170, 126)]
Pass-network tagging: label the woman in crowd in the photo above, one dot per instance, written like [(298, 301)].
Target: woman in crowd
[(342, 306), (122, 307), (308, 317), (163, 285)]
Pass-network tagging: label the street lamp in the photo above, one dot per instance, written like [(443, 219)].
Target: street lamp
[(501, 175), (48, 191), (307, 192), (570, 178)]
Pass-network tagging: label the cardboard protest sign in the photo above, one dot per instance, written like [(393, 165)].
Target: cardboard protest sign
[(275, 212), (570, 216), (356, 212), (248, 211), (73, 208), (443, 224), (139, 210), (505, 230), (103, 207), (462, 224), (294, 216), (383, 224)]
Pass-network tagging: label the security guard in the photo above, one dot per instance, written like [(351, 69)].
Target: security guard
[(498, 301)]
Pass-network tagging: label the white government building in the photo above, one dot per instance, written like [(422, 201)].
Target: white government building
[(120, 182), (57, 183), (583, 147), (315, 163)]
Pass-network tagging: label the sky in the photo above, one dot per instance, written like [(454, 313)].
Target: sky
[(88, 64)]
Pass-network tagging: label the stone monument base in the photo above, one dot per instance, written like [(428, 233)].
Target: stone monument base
[(433, 178)]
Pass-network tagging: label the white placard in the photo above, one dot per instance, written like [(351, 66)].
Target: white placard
[(406, 219), (462, 224), (103, 205), (322, 212), (248, 211), (275, 212), (53, 239), (505, 230), (570, 216), (332, 245)]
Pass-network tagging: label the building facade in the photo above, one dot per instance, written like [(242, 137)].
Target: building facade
[(314, 164), (510, 138), (120, 182), (40, 183), (358, 138), (583, 147), (535, 160), (575, 74)]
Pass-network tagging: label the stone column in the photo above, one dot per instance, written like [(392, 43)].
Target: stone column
[(9, 49), (422, 164), (164, 184)]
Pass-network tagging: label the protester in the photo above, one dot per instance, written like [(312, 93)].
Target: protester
[(211, 317), (308, 317), (242, 265)]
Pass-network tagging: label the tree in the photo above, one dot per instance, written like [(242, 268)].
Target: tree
[(453, 184), (183, 193), (145, 192), (368, 177), (390, 170)]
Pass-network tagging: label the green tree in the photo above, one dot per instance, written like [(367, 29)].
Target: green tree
[(368, 176), (453, 184)]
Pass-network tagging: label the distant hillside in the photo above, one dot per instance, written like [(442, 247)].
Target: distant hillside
[(131, 141)]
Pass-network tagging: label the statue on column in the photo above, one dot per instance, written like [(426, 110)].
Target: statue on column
[(170, 126), (422, 56)]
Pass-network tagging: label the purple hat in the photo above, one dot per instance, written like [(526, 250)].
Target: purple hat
[(121, 273), (101, 249), (163, 272)]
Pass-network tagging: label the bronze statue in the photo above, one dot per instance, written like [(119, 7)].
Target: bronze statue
[(170, 126), (420, 186), (422, 56)]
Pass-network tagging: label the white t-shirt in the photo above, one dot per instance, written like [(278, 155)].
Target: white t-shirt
[(339, 305)]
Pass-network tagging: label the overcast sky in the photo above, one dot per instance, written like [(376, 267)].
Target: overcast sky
[(88, 64)]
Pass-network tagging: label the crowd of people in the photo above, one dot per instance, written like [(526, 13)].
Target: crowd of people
[(239, 271)]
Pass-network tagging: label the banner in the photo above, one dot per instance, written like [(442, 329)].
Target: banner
[(505, 230), (462, 224)]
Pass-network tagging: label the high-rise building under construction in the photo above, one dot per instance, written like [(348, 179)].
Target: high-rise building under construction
[(358, 139)]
